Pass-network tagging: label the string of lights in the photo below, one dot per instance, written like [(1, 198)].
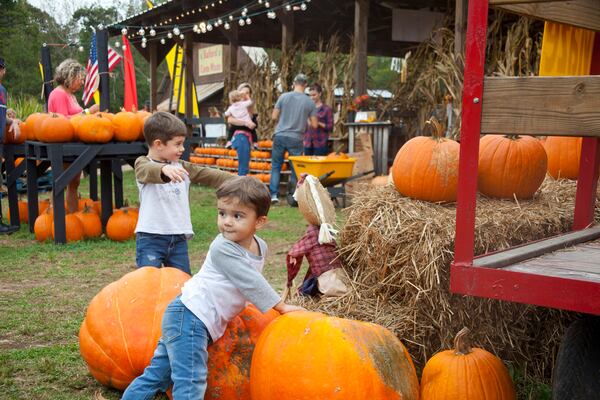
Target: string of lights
[(242, 16)]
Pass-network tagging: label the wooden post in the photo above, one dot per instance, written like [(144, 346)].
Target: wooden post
[(361, 24), (232, 50), (102, 48), (47, 69), (287, 41), (153, 82), (460, 26)]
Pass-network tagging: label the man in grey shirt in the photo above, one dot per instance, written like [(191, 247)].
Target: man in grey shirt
[(293, 111)]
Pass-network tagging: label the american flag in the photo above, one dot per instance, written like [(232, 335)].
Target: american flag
[(92, 79)]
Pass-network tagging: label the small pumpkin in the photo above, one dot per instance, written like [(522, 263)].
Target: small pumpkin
[(127, 126), (326, 357), (564, 154), (43, 226), (466, 373), (121, 225), (73, 228), (426, 168), (90, 221), (55, 129), (337, 156), (511, 166)]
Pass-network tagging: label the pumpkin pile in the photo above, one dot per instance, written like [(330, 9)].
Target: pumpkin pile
[(103, 127)]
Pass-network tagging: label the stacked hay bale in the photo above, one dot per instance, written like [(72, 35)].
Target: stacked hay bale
[(398, 253)]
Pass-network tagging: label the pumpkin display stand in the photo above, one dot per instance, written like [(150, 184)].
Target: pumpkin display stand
[(10, 152), (79, 155), (398, 251)]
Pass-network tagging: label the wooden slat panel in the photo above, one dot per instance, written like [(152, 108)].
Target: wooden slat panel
[(580, 13), (536, 249), (504, 2), (545, 270), (543, 106)]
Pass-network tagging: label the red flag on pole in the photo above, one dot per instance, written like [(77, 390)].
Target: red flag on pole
[(130, 102)]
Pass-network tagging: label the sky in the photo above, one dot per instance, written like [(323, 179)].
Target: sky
[(62, 10)]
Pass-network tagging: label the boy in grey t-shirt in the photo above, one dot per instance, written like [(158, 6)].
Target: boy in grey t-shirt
[(293, 110), (230, 276)]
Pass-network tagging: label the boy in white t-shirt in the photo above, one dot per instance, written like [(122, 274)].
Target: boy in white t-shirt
[(230, 276), (164, 223)]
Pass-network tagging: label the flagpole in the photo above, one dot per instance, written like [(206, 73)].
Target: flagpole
[(181, 72), (102, 52), (47, 73)]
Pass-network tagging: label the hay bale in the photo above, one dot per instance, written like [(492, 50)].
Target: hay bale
[(398, 252)]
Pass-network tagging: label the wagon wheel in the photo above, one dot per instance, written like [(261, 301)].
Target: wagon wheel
[(576, 374)]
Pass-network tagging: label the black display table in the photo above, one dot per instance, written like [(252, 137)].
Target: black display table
[(10, 153), (80, 156)]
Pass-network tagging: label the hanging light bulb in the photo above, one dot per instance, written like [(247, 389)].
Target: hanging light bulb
[(267, 4), (141, 32), (182, 36), (124, 48), (248, 21), (143, 45), (124, 31), (220, 21), (288, 7), (144, 40), (152, 32), (244, 12), (209, 27), (242, 22), (226, 26), (162, 41), (169, 35), (81, 48), (117, 44), (195, 28), (303, 7), (176, 31), (259, 1)]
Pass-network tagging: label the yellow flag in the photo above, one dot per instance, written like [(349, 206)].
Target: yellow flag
[(177, 76), (150, 4), (97, 97)]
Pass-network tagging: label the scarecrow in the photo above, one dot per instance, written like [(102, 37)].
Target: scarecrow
[(325, 274)]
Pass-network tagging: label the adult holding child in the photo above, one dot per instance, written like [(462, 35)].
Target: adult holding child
[(70, 76), (293, 112)]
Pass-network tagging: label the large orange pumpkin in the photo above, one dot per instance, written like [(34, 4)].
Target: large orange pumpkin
[(426, 168), (55, 128), (511, 166), (121, 225), (122, 324), (563, 156), (96, 129), (23, 212), (76, 121), (308, 355), (127, 126), (466, 373)]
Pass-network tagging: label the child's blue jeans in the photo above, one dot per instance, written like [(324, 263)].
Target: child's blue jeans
[(180, 359), (242, 145), (156, 250)]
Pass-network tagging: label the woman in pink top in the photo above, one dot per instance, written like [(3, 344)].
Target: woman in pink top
[(70, 76)]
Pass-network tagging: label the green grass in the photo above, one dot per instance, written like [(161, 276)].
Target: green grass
[(45, 290)]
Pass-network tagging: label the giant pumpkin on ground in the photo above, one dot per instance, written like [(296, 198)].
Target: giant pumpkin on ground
[(466, 373), (426, 168), (563, 156), (511, 166), (307, 355)]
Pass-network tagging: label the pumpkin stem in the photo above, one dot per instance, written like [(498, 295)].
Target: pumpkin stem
[(433, 125), (462, 343), (513, 137)]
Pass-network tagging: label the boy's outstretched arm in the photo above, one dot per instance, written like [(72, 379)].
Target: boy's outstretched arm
[(284, 308), (206, 176)]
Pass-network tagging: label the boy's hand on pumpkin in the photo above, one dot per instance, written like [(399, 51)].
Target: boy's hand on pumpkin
[(286, 308), (174, 173)]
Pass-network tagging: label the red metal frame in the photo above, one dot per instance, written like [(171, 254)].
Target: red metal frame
[(569, 294)]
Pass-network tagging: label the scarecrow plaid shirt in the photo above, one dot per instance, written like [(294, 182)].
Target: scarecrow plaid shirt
[(321, 257)]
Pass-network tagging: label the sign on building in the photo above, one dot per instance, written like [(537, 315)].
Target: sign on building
[(210, 60)]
